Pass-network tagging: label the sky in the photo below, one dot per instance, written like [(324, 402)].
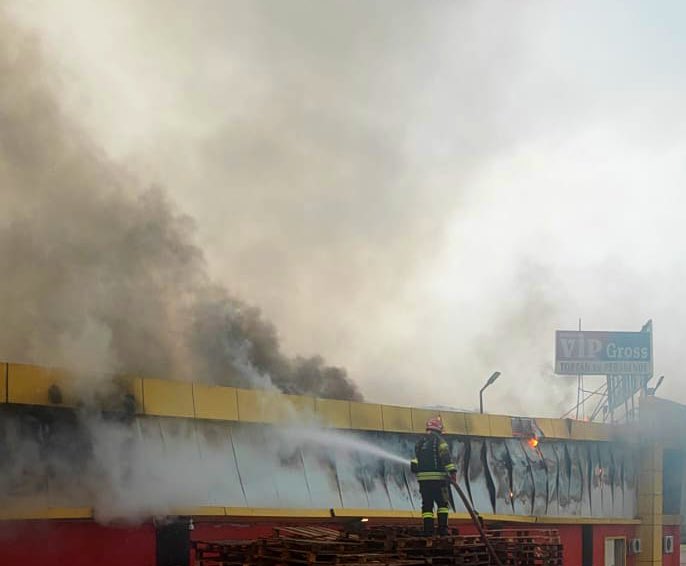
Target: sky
[(421, 192)]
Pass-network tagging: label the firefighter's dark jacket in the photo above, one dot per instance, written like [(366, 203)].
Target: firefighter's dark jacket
[(432, 458)]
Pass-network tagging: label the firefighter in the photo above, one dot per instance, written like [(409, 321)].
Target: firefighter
[(434, 468)]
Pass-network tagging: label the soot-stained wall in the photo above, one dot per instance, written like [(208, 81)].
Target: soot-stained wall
[(151, 465)]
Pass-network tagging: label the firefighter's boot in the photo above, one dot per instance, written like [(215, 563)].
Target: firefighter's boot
[(429, 526), (443, 523)]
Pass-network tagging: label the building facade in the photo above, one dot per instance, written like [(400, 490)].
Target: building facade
[(107, 471)]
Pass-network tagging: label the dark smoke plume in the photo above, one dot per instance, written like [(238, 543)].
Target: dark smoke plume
[(101, 274)]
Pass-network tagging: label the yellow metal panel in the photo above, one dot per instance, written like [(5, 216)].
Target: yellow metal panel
[(297, 407), (396, 419), (561, 428), (69, 513), (651, 457), (501, 426), (645, 483), (110, 398), (452, 516), (252, 406), (551, 520), (366, 416), (134, 386), (258, 405), (289, 408), (508, 518), (24, 513), (477, 424), (275, 512), (333, 413), (286, 512), (546, 426), (579, 430), (649, 505), (658, 504), (162, 397), (598, 431), (238, 511), (586, 521), (30, 385), (658, 457), (650, 483), (3, 383), (651, 541), (373, 513), (454, 422), (205, 510), (419, 418), (658, 508), (212, 402), (657, 483)]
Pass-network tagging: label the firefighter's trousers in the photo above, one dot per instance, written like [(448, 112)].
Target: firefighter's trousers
[(435, 492)]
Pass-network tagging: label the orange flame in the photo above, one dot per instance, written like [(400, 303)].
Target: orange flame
[(533, 442)]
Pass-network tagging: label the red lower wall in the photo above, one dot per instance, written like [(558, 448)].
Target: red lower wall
[(601, 532), (570, 537), (672, 559), (85, 543), (75, 543)]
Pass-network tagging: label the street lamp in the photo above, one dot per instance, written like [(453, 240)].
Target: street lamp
[(652, 390), (491, 381)]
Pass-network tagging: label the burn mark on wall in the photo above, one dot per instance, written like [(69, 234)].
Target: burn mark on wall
[(629, 481), (595, 481), (370, 473), (549, 457), (477, 467), (539, 474), (617, 474), (606, 472), (402, 487), (576, 485), (460, 452), (564, 471), (587, 479), (499, 478), (463, 471), (322, 477), (522, 479)]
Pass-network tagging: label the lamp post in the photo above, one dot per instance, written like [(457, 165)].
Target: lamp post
[(652, 390), (491, 381)]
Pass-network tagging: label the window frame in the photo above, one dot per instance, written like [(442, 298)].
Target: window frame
[(614, 539)]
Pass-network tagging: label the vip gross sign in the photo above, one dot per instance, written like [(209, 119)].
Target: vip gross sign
[(603, 353)]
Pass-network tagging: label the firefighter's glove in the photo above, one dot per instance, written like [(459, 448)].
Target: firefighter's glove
[(414, 466)]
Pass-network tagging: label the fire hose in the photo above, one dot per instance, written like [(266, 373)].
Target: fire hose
[(476, 519)]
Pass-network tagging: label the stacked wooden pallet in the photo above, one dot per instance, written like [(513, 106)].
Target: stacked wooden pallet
[(312, 546), (453, 549), (527, 546), (223, 553)]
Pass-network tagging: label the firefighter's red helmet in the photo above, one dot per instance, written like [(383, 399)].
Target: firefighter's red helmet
[(435, 424)]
